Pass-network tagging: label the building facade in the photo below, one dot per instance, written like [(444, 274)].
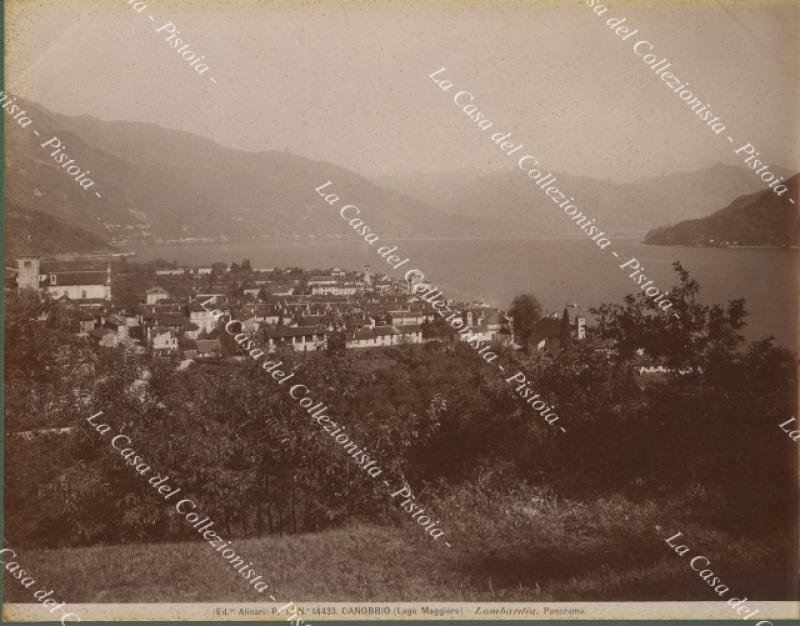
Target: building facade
[(75, 285)]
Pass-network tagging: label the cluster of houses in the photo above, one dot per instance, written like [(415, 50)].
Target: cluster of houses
[(285, 309)]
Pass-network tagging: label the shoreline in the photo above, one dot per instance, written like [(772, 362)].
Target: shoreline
[(734, 247)]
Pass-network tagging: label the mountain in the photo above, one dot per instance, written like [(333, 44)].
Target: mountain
[(758, 219), (520, 208), (161, 184), (34, 232)]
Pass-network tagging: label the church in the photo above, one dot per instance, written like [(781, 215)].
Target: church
[(84, 287)]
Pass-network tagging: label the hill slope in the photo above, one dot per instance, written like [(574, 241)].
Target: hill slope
[(520, 209), (340, 565), (165, 184), (161, 184), (758, 219), (34, 232)]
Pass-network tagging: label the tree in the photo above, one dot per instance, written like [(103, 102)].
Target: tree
[(566, 331), (526, 311), (218, 270), (690, 336), (44, 361), (730, 396), (337, 342), (246, 267)]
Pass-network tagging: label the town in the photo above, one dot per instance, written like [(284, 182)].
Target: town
[(156, 308)]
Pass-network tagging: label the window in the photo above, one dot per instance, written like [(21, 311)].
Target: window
[(83, 294), (27, 263)]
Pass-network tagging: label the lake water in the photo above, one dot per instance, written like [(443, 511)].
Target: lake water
[(555, 271)]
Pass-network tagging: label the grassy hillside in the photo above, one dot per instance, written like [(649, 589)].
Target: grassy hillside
[(542, 550)]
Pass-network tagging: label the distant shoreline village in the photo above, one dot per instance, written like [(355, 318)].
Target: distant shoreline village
[(291, 308)]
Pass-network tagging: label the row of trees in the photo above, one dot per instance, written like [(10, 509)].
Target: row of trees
[(434, 415)]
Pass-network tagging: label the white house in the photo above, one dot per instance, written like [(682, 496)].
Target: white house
[(152, 296), (202, 318), (80, 285), (164, 340), (335, 288), (409, 334), (299, 338), (407, 318)]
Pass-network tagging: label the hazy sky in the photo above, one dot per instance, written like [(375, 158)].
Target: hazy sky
[(347, 82)]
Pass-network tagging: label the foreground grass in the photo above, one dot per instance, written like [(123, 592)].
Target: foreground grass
[(531, 549)]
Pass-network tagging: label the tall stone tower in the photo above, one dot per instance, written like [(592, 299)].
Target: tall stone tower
[(107, 285), (28, 272)]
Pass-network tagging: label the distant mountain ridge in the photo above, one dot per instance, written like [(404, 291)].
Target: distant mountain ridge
[(161, 184), (758, 219), (521, 209)]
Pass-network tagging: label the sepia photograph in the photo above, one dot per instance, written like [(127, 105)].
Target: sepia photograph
[(380, 310)]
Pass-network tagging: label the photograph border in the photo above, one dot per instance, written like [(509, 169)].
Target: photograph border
[(639, 615)]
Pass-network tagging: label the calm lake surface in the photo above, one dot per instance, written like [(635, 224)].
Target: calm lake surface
[(556, 271)]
